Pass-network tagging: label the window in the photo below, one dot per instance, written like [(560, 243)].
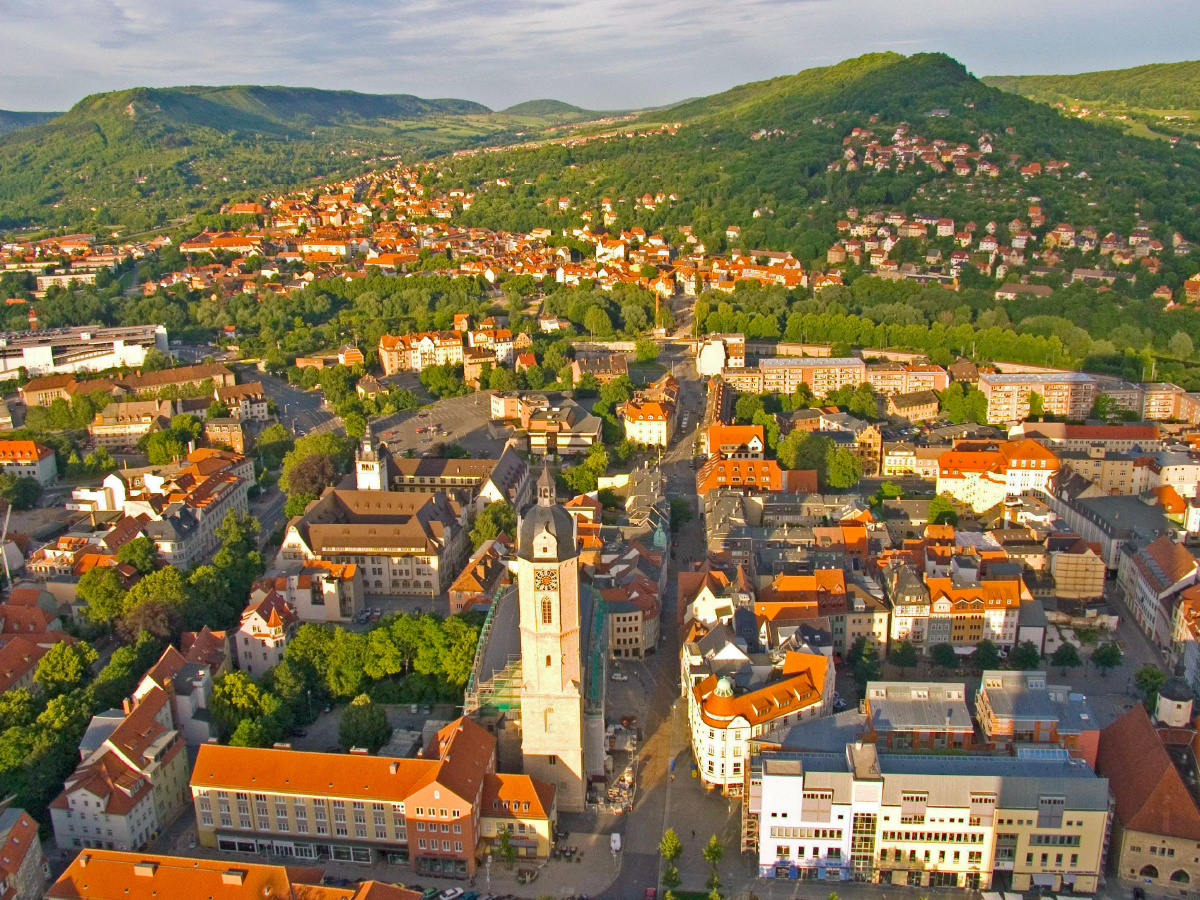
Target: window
[(547, 611)]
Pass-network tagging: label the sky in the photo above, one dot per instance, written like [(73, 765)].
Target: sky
[(599, 54)]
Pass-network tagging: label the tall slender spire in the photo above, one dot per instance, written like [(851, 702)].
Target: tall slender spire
[(545, 488)]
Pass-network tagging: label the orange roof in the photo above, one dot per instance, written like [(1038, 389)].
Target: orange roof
[(454, 764), (1168, 499), (750, 474), (800, 689), (515, 790), (23, 451), (1149, 793), (986, 593), (720, 435), (823, 586), (105, 874)]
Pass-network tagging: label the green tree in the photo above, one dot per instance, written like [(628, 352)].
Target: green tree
[(670, 880), (505, 850), (364, 724), (681, 513), (1148, 679), (100, 588), (842, 468), (1026, 655), (713, 852), (64, 667), (903, 655), (1106, 657), (944, 657), (163, 447), (646, 350), (344, 670), (273, 444), (670, 847), (1180, 345), (21, 492), (495, 518), (986, 656), (218, 409), (1036, 405), (139, 553), (941, 511), (597, 322), (1066, 656)]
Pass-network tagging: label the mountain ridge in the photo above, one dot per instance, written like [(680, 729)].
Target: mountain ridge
[(11, 119), (1152, 86)]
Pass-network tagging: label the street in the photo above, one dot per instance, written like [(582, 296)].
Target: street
[(304, 412)]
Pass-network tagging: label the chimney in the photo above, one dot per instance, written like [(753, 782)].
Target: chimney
[(127, 705), (360, 751), (233, 876), (84, 859), (394, 767), (145, 869)]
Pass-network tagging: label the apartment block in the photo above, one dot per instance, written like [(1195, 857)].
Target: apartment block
[(1070, 394), (785, 374), (929, 821), (429, 812)]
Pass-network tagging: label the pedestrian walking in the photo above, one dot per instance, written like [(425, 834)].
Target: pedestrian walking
[(693, 834)]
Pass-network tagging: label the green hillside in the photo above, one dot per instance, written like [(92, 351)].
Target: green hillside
[(866, 82), (1156, 86), (545, 108), (723, 168), (11, 121), (145, 157)]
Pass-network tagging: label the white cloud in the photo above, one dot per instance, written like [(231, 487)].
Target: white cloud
[(597, 53)]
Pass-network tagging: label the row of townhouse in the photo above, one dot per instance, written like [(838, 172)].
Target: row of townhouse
[(440, 813), (415, 352)]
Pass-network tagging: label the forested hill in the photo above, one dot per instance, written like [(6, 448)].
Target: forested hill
[(1157, 86), (545, 108), (147, 156), (254, 109), (11, 121), (885, 83)]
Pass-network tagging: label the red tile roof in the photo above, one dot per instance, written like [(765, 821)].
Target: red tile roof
[(1149, 793)]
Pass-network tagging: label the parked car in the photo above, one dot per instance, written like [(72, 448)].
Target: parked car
[(450, 894), (619, 676)]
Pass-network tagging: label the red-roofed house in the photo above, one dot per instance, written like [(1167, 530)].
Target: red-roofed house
[(1152, 576), (1157, 820), (267, 625), (28, 459)]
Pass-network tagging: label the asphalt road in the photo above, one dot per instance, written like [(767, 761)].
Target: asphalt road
[(653, 687), (304, 412)]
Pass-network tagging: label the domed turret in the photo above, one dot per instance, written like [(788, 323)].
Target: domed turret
[(546, 531), (1173, 707), (724, 687)]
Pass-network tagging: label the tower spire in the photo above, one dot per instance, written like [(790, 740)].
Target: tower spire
[(545, 487)]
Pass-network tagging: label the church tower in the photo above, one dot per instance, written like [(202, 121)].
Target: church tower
[(552, 702), (370, 466)]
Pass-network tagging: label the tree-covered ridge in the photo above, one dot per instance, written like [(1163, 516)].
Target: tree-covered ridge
[(1155, 86), (772, 148), (261, 109), (146, 157), (11, 120)]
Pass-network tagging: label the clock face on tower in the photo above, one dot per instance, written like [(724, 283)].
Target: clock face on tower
[(545, 580)]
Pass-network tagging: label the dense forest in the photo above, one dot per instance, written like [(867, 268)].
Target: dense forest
[(143, 158), (1156, 86)]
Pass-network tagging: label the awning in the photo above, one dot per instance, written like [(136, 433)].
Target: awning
[(1044, 879)]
